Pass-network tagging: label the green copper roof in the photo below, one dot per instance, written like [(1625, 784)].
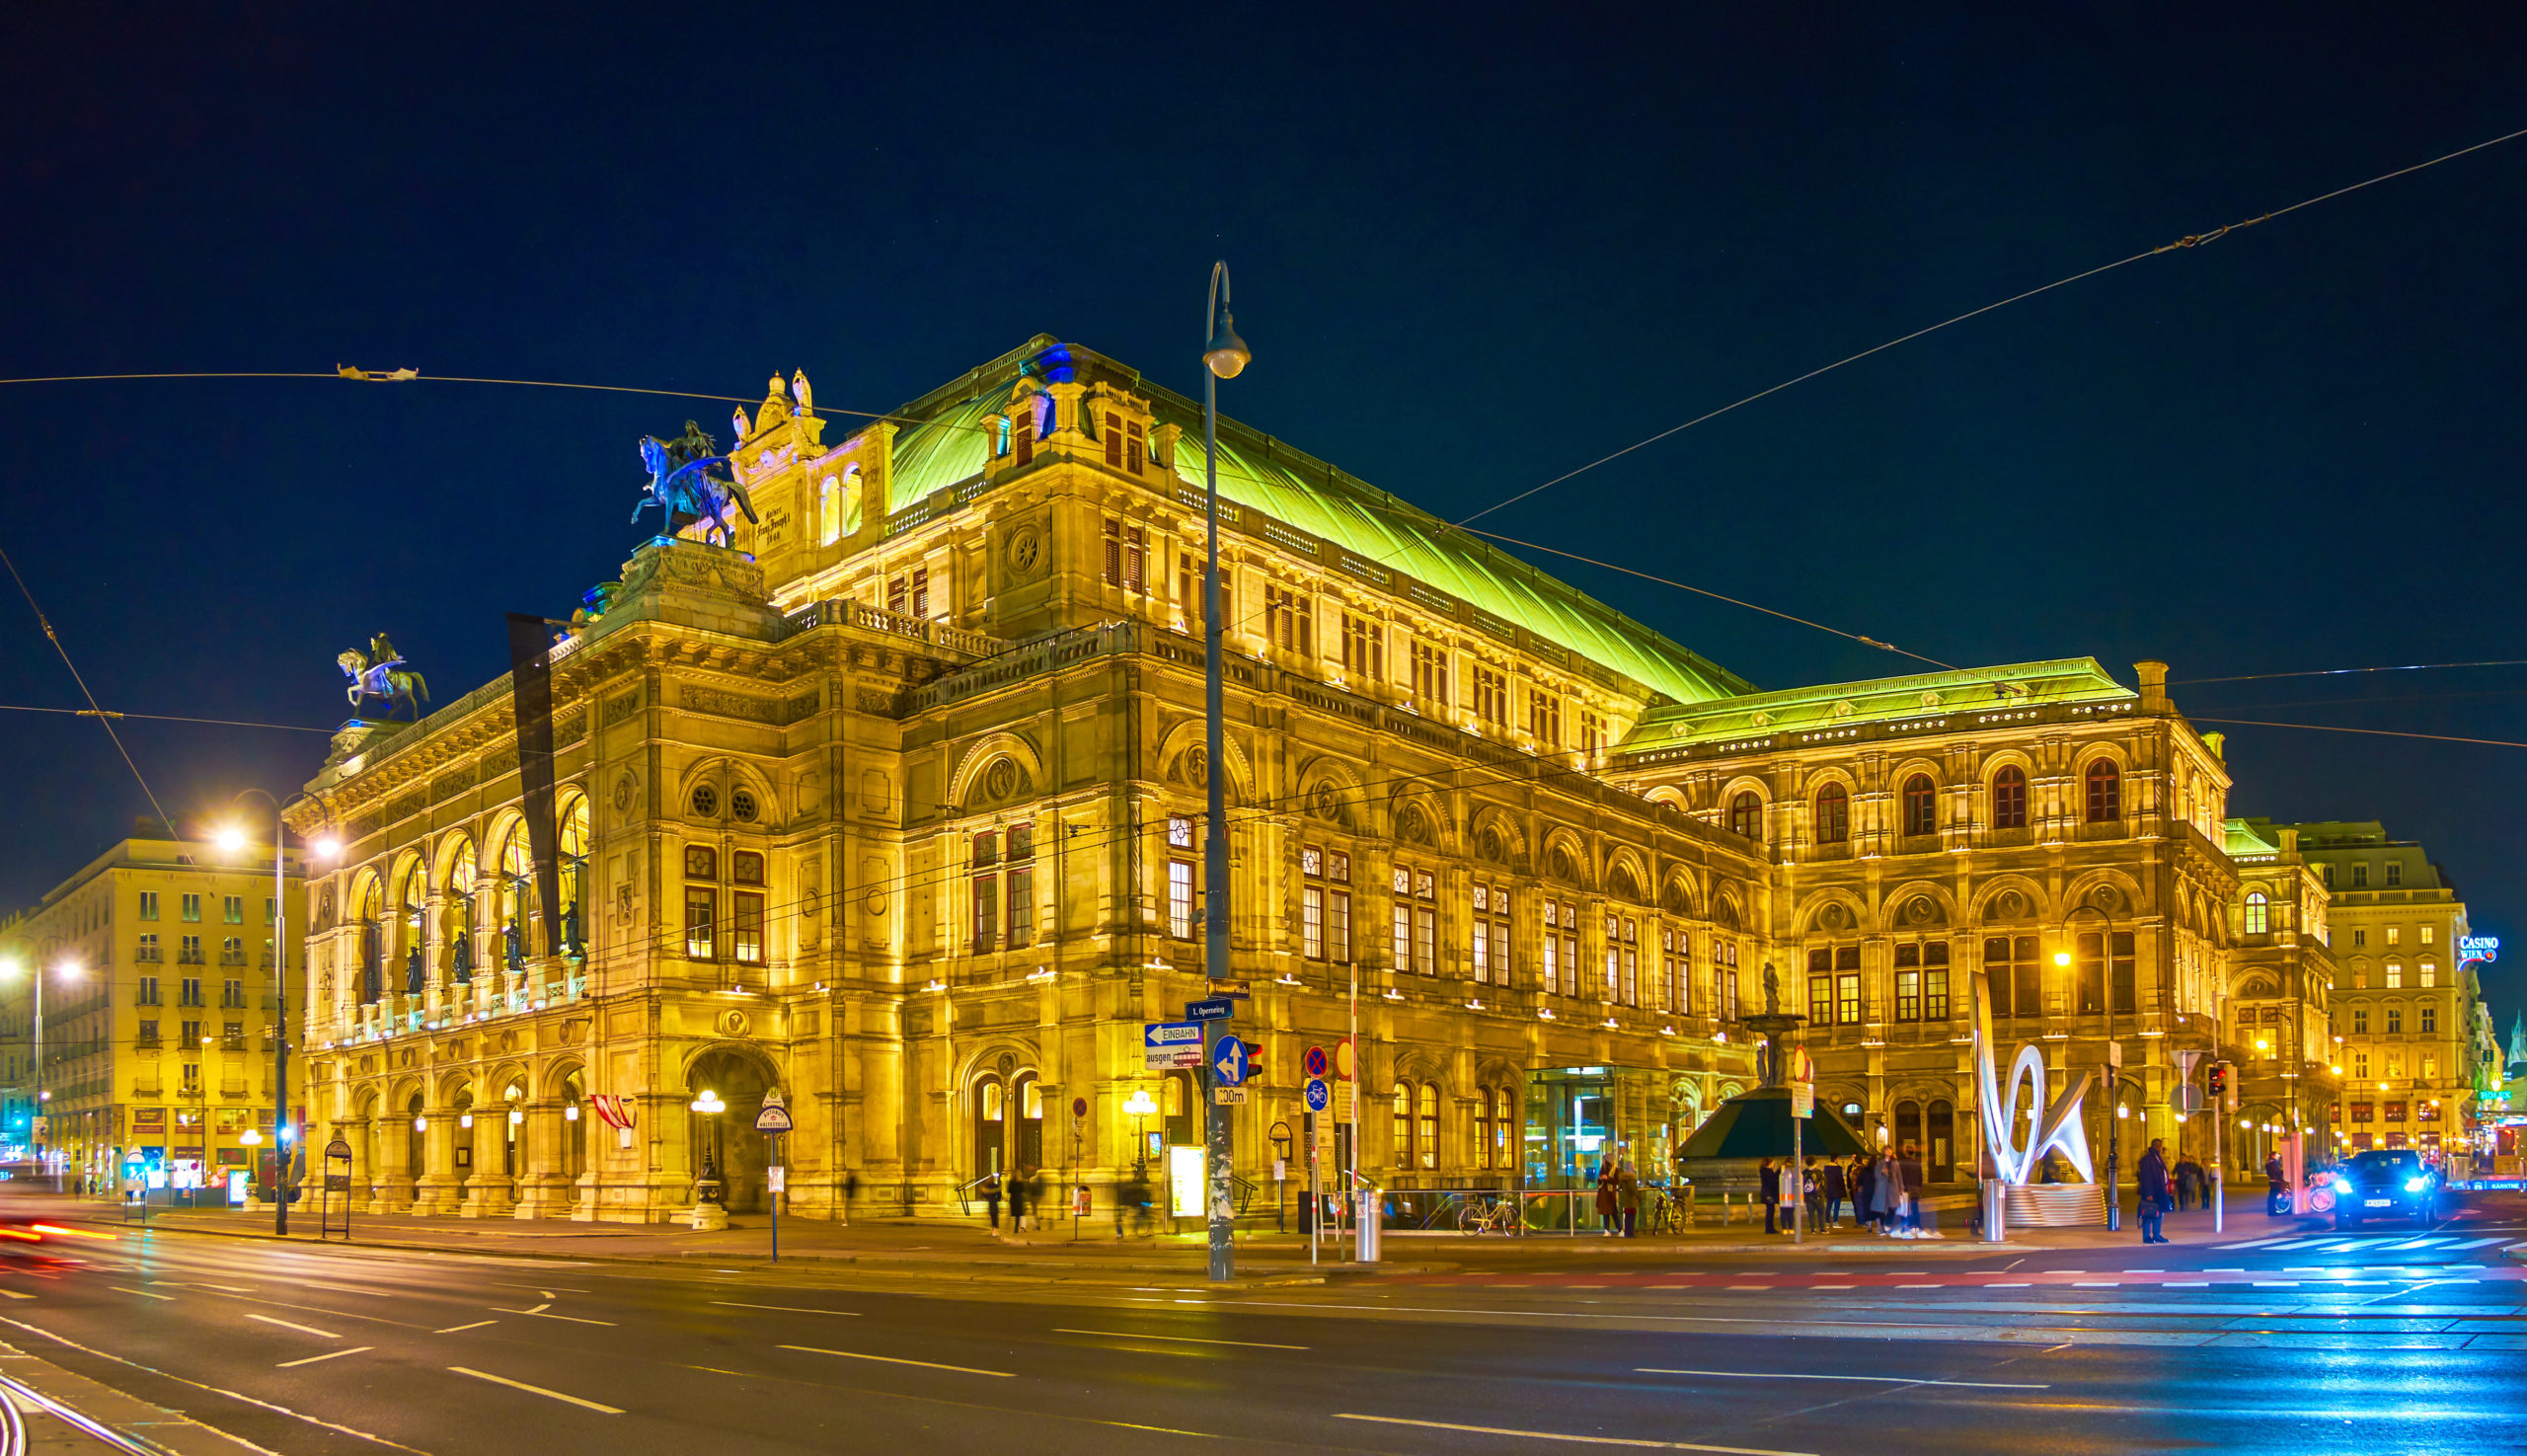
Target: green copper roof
[(1876, 700), (2244, 840), (949, 445)]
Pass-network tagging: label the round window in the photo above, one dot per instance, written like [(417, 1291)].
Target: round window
[(706, 800), (1851, 1109), (742, 804)]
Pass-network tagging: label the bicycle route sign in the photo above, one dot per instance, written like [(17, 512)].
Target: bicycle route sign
[(1318, 1094)]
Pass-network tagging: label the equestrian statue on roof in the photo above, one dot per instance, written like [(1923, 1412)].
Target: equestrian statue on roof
[(381, 672), (685, 491)]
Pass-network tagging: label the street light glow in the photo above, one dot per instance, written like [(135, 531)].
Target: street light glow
[(326, 846), (231, 838)]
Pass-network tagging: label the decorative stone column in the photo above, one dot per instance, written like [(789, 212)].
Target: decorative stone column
[(489, 1192), (391, 1186), (438, 1190), (543, 1192)]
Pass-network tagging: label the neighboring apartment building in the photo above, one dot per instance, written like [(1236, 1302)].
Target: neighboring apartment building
[(2280, 1029), (2405, 1006), (159, 1004)]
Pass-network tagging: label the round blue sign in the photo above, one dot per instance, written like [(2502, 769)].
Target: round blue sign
[(1318, 1095)]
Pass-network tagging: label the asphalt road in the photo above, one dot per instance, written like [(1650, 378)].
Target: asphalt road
[(2386, 1341)]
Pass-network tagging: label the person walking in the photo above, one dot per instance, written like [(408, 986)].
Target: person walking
[(849, 1191), (2275, 1205), (1607, 1199), (1768, 1189), (990, 1190), (1017, 1193), (1834, 1187), (2189, 1181), (1887, 1196), (2155, 1201)]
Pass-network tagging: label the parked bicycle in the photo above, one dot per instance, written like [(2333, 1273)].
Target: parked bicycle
[(1489, 1215)]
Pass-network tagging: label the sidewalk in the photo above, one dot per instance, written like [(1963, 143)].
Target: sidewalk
[(974, 1251)]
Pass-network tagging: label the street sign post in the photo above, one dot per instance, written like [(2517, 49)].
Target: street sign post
[(772, 1121), (1171, 1047)]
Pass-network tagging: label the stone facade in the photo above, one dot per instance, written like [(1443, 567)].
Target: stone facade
[(896, 809)]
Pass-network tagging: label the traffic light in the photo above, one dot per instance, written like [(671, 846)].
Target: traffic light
[(2219, 1084)]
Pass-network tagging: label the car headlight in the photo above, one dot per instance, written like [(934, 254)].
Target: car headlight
[(2416, 1184), (2342, 1185)]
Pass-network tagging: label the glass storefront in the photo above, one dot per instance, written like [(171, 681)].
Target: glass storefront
[(1577, 1118)]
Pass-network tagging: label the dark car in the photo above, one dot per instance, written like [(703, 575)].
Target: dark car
[(2387, 1182)]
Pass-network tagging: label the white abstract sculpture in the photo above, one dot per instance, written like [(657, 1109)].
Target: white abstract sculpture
[(2060, 1127)]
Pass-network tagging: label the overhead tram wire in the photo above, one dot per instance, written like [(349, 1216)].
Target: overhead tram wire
[(56, 639), (2333, 728), (2189, 240), (2349, 671), (102, 713)]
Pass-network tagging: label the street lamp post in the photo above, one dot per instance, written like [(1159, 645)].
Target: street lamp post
[(69, 970), (1224, 356), (235, 839)]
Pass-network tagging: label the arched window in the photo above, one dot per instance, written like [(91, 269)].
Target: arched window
[(1402, 1109), (1425, 1138), (1833, 814), (2258, 914), (1921, 805), (1747, 814), (829, 510), (2106, 792), (2009, 799)]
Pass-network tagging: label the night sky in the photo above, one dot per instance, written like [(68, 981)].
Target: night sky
[(1472, 250)]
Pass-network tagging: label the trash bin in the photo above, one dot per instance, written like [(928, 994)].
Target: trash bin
[(1367, 1249)]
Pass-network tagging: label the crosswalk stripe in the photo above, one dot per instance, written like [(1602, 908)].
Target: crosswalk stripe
[(2480, 1243), (2252, 1244)]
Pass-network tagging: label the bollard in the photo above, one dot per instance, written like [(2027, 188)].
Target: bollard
[(1366, 1250)]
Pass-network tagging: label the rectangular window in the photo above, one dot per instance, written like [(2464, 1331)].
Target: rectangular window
[(1847, 994), (188, 950), (2425, 935), (2429, 1023), (232, 909), (2360, 876), (1425, 940), (1544, 717), (1492, 934), (1593, 734), (701, 922), (2426, 974), (2394, 1112), (2015, 975), (1363, 648), (148, 1037), (193, 907), (986, 914), (1820, 987), (1022, 904), (701, 862), (148, 951), (2122, 976), (2360, 1021), (232, 994), (1114, 440), (192, 1036), (746, 867), (2089, 980), (1188, 585), (2395, 934), (1135, 447), (2395, 976), (746, 928), (898, 600), (1491, 698), (149, 904), (1430, 675), (1289, 620), (2395, 872), (1126, 556), (189, 992), (148, 991), (1908, 983), (1312, 923), (1337, 926), (1402, 946), (1179, 898), (2395, 1020), (2359, 937), (1680, 972), (2360, 1066)]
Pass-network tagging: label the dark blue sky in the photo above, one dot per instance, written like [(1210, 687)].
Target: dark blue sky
[(1472, 250)]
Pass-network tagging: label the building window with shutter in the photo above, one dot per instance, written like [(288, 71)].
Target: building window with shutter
[(1127, 554), (1289, 620), (1430, 675), (1491, 699), (1363, 648)]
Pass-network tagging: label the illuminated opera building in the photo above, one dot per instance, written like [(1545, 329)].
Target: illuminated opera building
[(896, 809)]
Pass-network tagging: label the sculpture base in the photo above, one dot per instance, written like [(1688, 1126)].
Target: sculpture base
[(708, 1218), (2057, 1205)]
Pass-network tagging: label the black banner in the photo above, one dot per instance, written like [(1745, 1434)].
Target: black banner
[(531, 699)]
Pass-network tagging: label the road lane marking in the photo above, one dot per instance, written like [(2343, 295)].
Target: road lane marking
[(573, 1319), (2007, 1286), (2479, 1243), (1817, 1286), (893, 1360), (2254, 1244), (330, 1355), (1556, 1436), (200, 1284), (217, 1390), (796, 1308), (536, 1389), (14, 1294), (2097, 1284), (1179, 1339), (2186, 1284), (1871, 1379), (344, 1288), (143, 1293), (302, 1329), (452, 1328), (539, 1309)]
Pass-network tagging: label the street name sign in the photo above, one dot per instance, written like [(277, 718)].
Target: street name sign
[(1802, 1099), (1211, 1009), (1167, 1046)]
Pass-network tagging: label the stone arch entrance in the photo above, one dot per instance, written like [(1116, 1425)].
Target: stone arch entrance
[(726, 1141)]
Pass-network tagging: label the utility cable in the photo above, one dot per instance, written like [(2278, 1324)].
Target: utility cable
[(101, 720), (2331, 728), (1702, 591), (2347, 671), (107, 712), (2189, 240)]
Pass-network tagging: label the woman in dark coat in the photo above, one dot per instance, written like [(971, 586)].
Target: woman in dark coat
[(1864, 1186), (1609, 1202), (1768, 1188)]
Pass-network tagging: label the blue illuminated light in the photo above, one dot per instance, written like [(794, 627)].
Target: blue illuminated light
[(2416, 1184), (2342, 1185)]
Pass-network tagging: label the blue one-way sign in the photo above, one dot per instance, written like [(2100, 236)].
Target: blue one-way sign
[(1229, 1061)]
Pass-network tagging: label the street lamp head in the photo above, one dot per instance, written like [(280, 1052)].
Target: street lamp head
[(326, 847), (2062, 957), (1226, 354), (231, 838)]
